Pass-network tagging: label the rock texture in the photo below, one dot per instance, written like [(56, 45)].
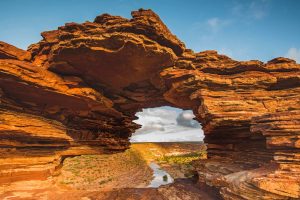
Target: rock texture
[(77, 90), (249, 112), (250, 115)]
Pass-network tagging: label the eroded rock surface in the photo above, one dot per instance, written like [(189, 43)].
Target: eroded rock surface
[(250, 116), (77, 90)]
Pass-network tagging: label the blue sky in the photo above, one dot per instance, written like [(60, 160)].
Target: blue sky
[(244, 29), (167, 124)]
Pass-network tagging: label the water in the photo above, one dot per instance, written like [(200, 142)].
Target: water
[(159, 175)]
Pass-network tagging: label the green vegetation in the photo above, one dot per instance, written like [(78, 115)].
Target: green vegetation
[(92, 171), (181, 164), (66, 182), (105, 181), (180, 159), (130, 168), (165, 178)]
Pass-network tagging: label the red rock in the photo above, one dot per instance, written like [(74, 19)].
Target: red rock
[(8, 51), (83, 83)]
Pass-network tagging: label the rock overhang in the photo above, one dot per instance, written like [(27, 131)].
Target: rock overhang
[(92, 78)]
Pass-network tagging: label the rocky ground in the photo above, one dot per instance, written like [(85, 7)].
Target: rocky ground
[(120, 176), (95, 172), (179, 190)]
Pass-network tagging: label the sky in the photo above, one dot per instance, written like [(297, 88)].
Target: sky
[(167, 124), (241, 29)]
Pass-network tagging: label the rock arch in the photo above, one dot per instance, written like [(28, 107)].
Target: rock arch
[(77, 90)]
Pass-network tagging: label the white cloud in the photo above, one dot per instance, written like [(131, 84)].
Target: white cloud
[(215, 24), (258, 9), (251, 10), (175, 136), (186, 118), (167, 124), (294, 54)]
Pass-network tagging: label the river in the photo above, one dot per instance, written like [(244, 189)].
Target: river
[(161, 177)]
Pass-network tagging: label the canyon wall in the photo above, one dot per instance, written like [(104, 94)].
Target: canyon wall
[(77, 90), (250, 116)]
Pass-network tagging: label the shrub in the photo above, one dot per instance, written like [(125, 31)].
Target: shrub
[(165, 178)]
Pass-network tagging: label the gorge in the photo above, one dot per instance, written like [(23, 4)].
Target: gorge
[(77, 91)]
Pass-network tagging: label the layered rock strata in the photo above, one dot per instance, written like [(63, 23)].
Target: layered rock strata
[(250, 116), (77, 90)]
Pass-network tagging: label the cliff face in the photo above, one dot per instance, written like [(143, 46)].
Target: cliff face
[(76, 92), (250, 116)]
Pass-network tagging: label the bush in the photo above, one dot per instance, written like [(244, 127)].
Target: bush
[(181, 159), (165, 178)]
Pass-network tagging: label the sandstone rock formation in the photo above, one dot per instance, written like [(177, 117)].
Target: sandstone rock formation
[(250, 116), (77, 90)]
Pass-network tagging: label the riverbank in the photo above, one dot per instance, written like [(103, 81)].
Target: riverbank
[(126, 174), (105, 172), (173, 157), (135, 168)]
